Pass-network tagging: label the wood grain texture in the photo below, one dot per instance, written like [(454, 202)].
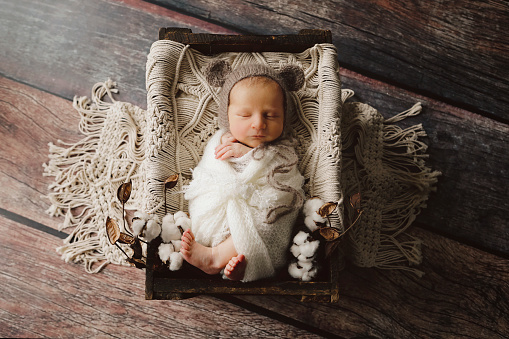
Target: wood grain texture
[(463, 294), (472, 154), (65, 46), (211, 44), (457, 51), (29, 120), (41, 296)]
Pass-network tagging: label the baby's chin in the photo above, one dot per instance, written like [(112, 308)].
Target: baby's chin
[(254, 142)]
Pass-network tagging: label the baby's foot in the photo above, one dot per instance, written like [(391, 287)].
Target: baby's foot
[(236, 268), (198, 255)]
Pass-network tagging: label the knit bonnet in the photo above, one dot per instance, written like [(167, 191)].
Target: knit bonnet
[(220, 74)]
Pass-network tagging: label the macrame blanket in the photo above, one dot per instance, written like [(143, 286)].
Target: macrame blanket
[(343, 147), (225, 202)]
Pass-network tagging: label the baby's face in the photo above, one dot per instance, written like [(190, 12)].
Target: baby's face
[(256, 111)]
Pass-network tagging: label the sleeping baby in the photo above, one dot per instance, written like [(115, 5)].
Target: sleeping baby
[(246, 191)]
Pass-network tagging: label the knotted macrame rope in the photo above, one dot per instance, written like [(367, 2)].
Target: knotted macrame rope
[(88, 173)]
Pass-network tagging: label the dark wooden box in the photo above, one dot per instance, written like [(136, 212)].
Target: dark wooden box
[(189, 281)]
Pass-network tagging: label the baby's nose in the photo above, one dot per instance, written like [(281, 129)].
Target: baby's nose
[(258, 122)]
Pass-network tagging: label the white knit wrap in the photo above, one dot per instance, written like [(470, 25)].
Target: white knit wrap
[(225, 202)]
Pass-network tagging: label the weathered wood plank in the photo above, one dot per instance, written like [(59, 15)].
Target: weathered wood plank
[(45, 297), (472, 154), (29, 120), (64, 47), (455, 51), (463, 294)]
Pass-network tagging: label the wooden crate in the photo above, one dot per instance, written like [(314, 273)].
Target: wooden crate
[(163, 284)]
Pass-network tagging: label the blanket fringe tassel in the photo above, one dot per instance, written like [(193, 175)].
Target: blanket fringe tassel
[(409, 182), (72, 192)]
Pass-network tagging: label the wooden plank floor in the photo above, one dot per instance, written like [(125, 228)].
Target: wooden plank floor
[(53, 49)]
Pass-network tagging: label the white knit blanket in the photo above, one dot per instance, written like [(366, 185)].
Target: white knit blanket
[(225, 202)]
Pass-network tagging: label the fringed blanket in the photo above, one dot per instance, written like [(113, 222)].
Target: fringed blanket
[(381, 160), (224, 202), (343, 147)]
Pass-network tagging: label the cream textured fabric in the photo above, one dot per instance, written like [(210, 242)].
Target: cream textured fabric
[(123, 142), (386, 164), (182, 116), (88, 174)]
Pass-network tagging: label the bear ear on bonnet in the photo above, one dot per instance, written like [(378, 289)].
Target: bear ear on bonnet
[(216, 72), (293, 77)]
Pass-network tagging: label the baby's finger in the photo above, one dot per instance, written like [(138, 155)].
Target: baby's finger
[(221, 146), (224, 151), (226, 155)]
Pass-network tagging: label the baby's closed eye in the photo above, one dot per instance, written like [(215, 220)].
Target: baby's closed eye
[(271, 115)]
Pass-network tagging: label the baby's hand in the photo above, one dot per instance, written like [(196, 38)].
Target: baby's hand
[(230, 148)]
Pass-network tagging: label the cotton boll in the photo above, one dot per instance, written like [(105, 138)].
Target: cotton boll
[(295, 249), (177, 244), (304, 271), (138, 225), (310, 223), (180, 214), (183, 222), (141, 215), (306, 266), (169, 231), (308, 249), (165, 251), (153, 230), (316, 217), (312, 205), (169, 218), (176, 261), (155, 218), (300, 238), (295, 271), (303, 259), (309, 275), (144, 249)]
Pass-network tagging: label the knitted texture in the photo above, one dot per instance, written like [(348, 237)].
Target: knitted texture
[(386, 164), (123, 142), (182, 115), (88, 174), (225, 202), (290, 78)]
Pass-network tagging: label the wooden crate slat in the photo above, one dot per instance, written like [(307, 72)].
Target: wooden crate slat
[(166, 285), (216, 43)]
